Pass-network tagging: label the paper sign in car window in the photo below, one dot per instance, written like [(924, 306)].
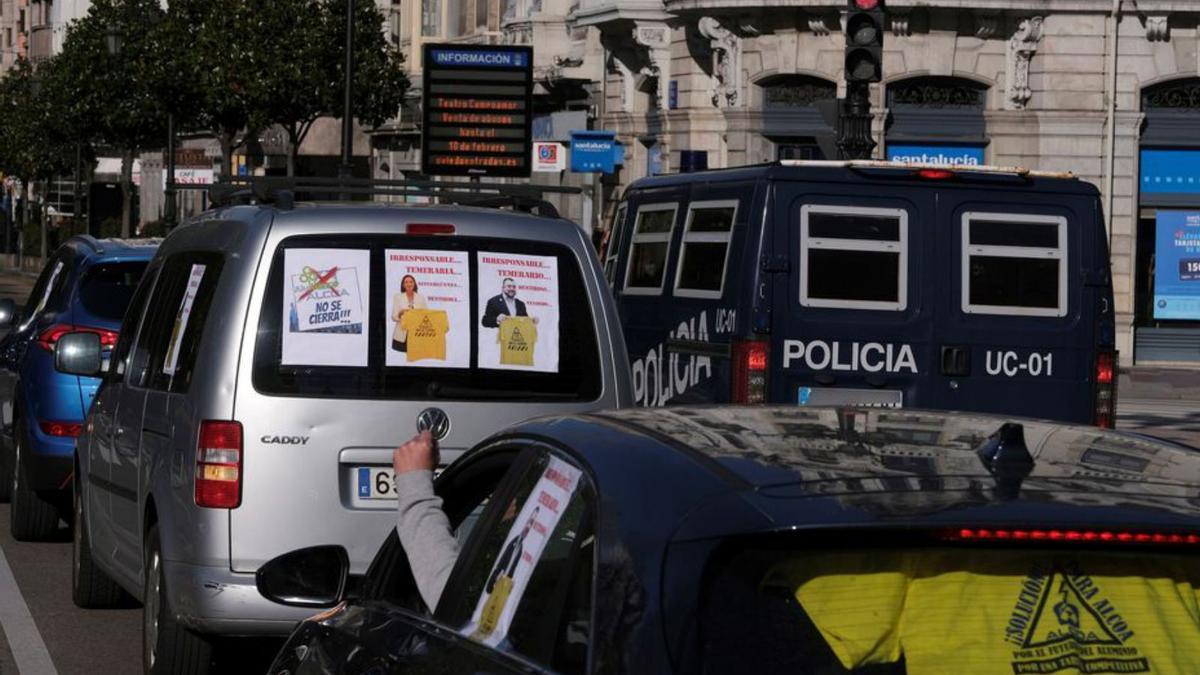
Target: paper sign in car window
[(1004, 612), (523, 547), (429, 308), (519, 312), (325, 306), (41, 303), (181, 318)]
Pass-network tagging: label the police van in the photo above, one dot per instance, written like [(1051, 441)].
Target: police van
[(871, 283)]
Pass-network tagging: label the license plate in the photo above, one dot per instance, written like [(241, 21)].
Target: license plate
[(376, 482), (868, 398)]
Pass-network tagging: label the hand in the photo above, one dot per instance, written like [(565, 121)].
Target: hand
[(420, 453)]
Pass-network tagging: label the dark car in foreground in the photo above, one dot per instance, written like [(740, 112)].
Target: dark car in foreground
[(782, 540)]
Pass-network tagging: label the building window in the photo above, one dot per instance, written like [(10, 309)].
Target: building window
[(1014, 264), (705, 251), (854, 257), (431, 18), (648, 252), (796, 91), (1180, 95), (798, 148), (937, 92)]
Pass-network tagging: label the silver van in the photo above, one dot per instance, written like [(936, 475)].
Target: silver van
[(272, 358)]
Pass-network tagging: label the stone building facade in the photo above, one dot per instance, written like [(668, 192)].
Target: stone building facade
[(1108, 90)]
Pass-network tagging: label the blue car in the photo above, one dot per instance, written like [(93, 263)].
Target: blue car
[(85, 286)]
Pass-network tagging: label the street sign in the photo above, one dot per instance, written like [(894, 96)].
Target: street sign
[(549, 157), (595, 151), (477, 110)]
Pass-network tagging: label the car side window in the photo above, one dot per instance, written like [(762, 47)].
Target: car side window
[(167, 345), (524, 582), (129, 325)]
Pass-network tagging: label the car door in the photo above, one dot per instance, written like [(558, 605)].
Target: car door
[(128, 425), (102, 421)]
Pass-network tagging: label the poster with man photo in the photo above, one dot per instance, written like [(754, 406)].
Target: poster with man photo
[(518, 301), (325, 295), (429, 310), (531, 528)]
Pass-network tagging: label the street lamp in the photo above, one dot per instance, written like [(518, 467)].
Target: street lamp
[(347, 169), (113, 42)]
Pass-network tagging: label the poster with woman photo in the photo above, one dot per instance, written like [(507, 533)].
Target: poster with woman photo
[(429, 308), (518, 305), (325, 306)]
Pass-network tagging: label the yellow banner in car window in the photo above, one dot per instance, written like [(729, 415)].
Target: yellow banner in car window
[(1010, 612)]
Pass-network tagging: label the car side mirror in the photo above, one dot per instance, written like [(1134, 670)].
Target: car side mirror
[(307, 577), (8, 312), (79, 354)]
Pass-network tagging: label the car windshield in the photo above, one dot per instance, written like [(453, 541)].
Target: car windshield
[(108, 287), (951, 610)]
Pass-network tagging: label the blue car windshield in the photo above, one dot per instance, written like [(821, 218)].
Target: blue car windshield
[(108, 287)]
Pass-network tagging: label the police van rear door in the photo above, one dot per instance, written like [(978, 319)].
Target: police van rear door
[(1017, 322), (853, 314)]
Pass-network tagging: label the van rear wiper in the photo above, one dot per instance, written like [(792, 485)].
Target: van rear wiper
[(439, 390)]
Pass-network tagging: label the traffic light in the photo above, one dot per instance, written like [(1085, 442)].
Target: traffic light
[(864, 41)]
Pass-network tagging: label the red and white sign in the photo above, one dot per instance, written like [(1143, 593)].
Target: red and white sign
[(549, 157), (185, 176)]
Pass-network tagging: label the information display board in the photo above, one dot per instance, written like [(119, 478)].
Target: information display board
[(1177, 265), (477, 110)]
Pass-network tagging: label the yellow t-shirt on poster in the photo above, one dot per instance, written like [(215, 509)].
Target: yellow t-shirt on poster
[(517, 337), (426, 333), (957, 612)]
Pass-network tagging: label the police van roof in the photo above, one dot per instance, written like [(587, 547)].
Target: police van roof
[(877, 171)]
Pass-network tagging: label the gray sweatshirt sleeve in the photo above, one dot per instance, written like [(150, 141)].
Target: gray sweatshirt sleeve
[(425, 534)]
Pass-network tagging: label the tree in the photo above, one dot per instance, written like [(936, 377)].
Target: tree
[(115, 93)]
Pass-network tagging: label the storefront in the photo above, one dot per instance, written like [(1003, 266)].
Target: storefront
[(1167, 268), (936, 120)]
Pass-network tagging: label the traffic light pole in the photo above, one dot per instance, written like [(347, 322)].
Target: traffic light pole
[(854, 127)]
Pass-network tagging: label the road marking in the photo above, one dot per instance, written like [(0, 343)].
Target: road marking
[(28, 649)]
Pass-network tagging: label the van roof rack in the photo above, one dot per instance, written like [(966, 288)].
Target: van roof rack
[(880, 164), (281, 192)]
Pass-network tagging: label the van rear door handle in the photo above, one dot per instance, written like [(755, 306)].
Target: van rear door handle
[(956, 361)]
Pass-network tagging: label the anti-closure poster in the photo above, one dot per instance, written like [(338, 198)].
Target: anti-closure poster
[(429, 310), (325, 306), (518, 299)]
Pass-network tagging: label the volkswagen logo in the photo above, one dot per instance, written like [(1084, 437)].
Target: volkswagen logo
[(435, 421)]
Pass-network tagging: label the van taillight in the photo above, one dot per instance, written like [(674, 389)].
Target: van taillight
[(1105, 400), (219, 465), (750, 359)]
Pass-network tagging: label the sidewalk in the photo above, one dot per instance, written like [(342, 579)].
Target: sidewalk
[(16, 285), (1159, 383)]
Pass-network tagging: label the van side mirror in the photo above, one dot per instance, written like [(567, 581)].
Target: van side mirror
[(307, 577), (8, 312), (79, 354)]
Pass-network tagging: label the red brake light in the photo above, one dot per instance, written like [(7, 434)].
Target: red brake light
[(51, 335), (936, 174), (1105, 367), (1105, 390), (61, 429), (429, 228), (219, 464), (866, 4), (1107, 536), (750, 359)]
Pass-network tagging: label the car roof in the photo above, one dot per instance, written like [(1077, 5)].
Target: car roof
[(114, 248), (876, 173), (799, 467)]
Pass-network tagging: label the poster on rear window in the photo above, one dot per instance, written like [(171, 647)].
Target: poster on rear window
[(531, 529), (325, 295), (430, 308), (1177, 265), (181, 318), (518, 299)]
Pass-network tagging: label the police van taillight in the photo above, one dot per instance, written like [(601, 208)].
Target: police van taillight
[(219, 464), (750, 359), (1105, 399)]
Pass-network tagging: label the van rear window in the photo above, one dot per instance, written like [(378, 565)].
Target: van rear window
[(853, 257), (463, 319), (1014, 264), (648, 253)]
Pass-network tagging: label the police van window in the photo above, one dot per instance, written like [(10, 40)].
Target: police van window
[(612, 246), (705, 251), (648, 253), (854, 257), (1014, 264)]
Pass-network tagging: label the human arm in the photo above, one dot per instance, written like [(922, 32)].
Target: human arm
[(422, 525), (397, 307)]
